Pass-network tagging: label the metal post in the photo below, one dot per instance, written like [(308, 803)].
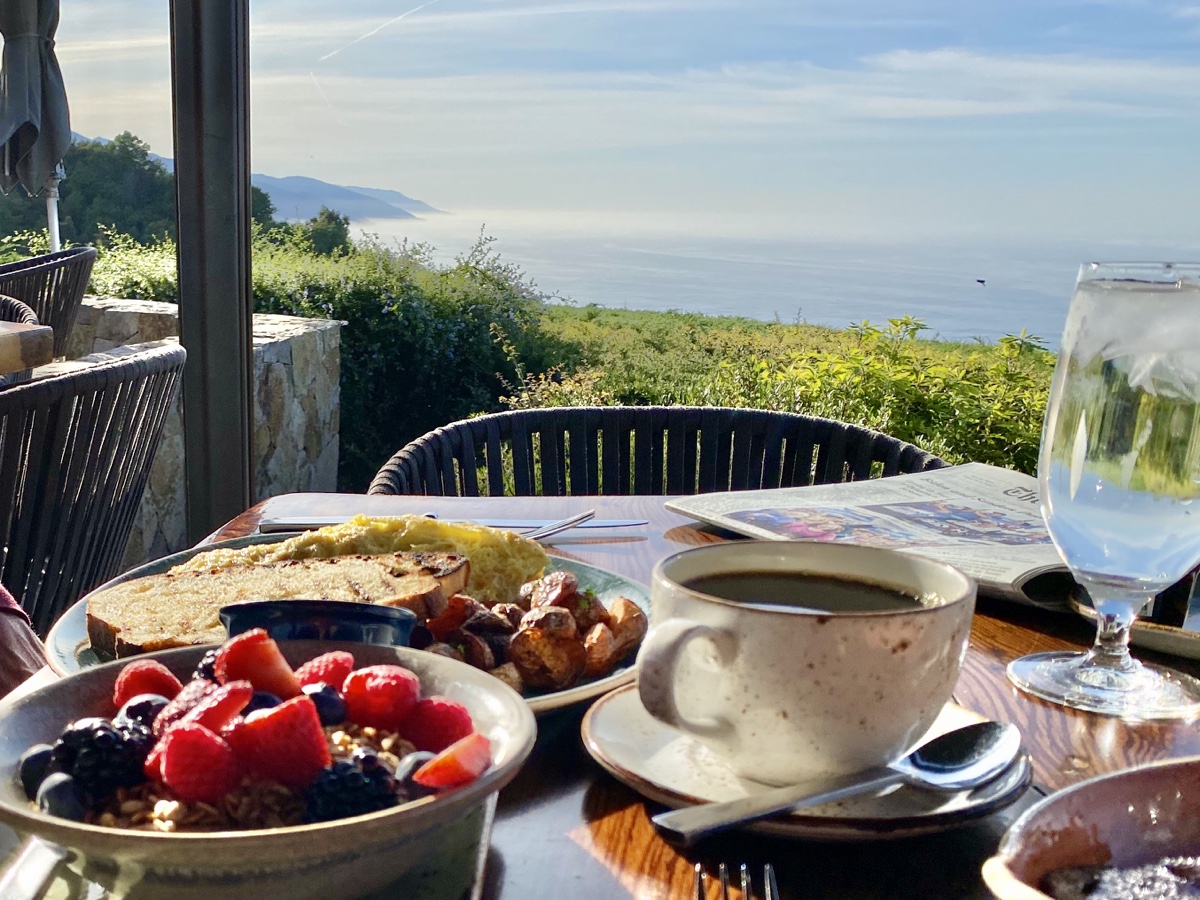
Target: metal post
[(52, 210), (210, 77)]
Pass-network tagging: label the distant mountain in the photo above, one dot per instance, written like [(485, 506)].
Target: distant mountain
[(299, 198), (395, 198)]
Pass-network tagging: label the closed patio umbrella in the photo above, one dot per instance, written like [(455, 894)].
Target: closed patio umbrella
[(35, 128)]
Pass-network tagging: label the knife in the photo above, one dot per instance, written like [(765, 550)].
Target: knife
[(274, 524)]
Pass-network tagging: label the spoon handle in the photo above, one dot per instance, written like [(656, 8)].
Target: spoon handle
[(690, 824)]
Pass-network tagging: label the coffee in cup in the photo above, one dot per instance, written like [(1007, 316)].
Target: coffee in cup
[(794, 659)]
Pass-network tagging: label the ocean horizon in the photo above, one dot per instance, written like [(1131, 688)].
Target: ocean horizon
[(965, 289)]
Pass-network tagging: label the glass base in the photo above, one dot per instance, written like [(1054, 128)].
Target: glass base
[(1140, 692)]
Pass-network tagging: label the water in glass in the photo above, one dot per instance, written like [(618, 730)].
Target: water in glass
[(1120, 477)]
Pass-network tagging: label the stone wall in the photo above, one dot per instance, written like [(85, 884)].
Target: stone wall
[(297, 406)]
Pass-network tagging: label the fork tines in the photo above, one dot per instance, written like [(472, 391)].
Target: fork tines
[(770, 887)]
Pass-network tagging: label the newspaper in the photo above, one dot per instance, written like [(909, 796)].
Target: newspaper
[(985, 520)]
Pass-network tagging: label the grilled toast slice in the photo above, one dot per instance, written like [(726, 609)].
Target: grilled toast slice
[(180, 607)]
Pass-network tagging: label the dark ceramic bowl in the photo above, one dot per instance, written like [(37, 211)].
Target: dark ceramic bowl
[(1128, 818), (322, 620), (429, 843)]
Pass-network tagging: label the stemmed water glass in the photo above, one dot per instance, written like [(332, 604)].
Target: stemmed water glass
[(1119, 473)]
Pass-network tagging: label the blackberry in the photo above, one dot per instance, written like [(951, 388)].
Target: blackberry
[(102, 756), (350, 788), (206, 668)]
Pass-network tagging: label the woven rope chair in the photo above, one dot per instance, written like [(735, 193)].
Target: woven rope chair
[(13, 310), (52, 285), (641, 450), (75, 454)]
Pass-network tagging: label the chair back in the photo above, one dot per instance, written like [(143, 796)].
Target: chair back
[(52, 285), (75, 455), (641, 450)]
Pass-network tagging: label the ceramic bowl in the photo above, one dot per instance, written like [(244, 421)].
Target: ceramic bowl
[(1129, 818), (322, 620), (426, 840)]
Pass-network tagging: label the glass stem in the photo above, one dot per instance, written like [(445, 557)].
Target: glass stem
[(1111, 649)]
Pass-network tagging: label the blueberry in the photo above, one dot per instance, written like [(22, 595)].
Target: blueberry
[(60, 795), (33, 767), (261, 700), (405, 771), (143, 708), (331, 708)]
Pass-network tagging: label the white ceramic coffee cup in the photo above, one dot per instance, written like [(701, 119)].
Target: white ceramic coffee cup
[(784, 694)]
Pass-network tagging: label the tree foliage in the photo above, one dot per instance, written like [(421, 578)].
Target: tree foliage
[(118, 187)]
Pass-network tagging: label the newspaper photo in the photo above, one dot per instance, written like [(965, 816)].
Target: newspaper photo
[(985, 520)]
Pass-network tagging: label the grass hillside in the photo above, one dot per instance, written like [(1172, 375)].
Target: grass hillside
[(426, 344)]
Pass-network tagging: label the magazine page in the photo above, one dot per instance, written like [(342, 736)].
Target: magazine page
[(983, 519)]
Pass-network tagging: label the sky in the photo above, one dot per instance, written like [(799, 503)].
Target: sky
[(888, 119)]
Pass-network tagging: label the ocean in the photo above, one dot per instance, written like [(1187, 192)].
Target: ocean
[(963, 290)]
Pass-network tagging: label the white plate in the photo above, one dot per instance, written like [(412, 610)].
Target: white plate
[(69, 650), (675, 769)]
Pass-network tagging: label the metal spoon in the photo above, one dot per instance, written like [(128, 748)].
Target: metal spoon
[(956, 761)]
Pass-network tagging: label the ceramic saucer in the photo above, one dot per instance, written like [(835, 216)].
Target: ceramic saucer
[(675, 769)]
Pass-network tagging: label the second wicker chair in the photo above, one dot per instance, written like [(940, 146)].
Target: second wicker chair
[(641, 450), (52, 285)]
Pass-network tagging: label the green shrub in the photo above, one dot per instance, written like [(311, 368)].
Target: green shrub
[(425, 344), (982, 403), (422, 344)]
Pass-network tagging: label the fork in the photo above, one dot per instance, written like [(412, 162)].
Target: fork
[(562, 525), (770, 887)]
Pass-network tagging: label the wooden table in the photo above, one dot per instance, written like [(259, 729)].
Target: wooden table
[(24, 346), (565, 828)]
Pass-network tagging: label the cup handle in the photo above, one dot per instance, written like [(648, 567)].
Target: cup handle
[(657, 664)]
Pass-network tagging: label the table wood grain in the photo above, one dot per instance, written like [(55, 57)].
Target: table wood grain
[(24, 346), (565, 828)]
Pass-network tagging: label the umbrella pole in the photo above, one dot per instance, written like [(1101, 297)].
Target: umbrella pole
[(52, 212)]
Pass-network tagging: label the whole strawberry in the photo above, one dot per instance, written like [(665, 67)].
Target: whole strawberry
[(331, 668), (435, 723), (380, 696)]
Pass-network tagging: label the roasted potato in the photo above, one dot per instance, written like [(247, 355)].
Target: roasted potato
[(587, 609), (510, 611), (629, 625), (544, 662), (446, 650), (476, 650), (550, 589), (600, 646), (488, 622), (555, 621), (459, 608), (509, 675)]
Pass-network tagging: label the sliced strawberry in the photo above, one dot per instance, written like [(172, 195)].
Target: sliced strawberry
[(380, 696), (331, 668), (193, 692), (435, 723), (285, 743), (218, 708), (197, 766), (144, 676), (460, 763), (255, 657)]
